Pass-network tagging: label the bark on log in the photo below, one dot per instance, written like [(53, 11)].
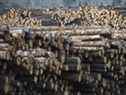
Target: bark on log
[(119, 35), (90, 43), (85, 37), (88, 48)]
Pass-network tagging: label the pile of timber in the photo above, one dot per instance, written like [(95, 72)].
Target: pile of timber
[(83, 61), (4, 46)]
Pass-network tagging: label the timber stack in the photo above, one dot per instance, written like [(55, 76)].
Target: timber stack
[(62, 60), (84, 61)]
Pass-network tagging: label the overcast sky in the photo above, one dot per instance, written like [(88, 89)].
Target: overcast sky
[(55, 3)]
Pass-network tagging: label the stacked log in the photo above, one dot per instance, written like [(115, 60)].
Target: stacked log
[(85, 63)]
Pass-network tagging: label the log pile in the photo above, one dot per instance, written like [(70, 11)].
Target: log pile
[(19, 17), (90, 15), (83, 16), (84, 61)]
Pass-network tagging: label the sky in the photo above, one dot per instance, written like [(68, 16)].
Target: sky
[(55, 3)]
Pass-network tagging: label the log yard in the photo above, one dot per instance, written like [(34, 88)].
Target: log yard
[(62, 47)]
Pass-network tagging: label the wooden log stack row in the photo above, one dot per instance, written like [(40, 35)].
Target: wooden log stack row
[(89, 61)]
